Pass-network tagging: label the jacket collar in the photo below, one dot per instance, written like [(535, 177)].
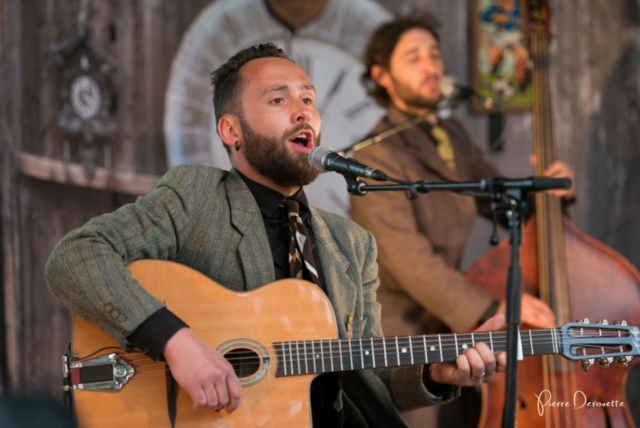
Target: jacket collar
[(415, 140)]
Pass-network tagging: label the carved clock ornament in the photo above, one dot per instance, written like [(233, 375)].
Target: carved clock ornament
[(325, 38), (86, 96)]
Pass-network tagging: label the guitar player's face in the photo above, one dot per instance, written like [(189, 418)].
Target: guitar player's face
[(279, 121)]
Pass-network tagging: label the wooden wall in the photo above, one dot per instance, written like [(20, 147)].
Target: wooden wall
[(596, 86), (141, 38)]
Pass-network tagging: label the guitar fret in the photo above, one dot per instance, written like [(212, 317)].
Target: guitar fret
[(397, 351), (418, 352), (394, 357), (313, 352), (340, 353), (406, 356), (473, 340), (291, 357), (331, 355), (426, 350), (306, 362), (455, 340), (298, 358), (373, 353), (440, 346), (491, 341), (411, 349), (361, 353), (350, 353), (384, 346), (323, 356), (531, 342)]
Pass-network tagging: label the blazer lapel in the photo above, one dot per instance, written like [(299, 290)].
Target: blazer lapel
[(423, 147), (342, 290), (254, 252)]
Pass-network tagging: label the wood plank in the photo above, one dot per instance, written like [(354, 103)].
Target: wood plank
[(10, 102)]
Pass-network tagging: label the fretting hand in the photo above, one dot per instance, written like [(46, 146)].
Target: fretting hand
[(475, 365)]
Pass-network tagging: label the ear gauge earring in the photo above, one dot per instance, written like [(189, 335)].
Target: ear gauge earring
[(237, 146)]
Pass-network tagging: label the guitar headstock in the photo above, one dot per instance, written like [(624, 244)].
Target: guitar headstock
[(601, 342)]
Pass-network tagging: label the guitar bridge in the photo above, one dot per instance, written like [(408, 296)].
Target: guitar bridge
[(106, 373)]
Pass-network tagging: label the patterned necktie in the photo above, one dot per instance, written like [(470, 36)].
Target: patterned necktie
[(443, 146), (300, 253)]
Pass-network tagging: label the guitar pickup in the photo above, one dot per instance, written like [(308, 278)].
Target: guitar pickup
[(106, 373)]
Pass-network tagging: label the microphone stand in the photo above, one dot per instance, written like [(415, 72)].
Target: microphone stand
[(446, 103), (508, 195)]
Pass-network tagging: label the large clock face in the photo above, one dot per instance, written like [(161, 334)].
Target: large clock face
[(326, 49), (86, 98)]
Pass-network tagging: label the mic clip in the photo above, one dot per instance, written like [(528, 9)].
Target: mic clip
[(354, 186)]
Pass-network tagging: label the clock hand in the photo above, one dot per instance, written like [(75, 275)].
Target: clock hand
[(333, 91)]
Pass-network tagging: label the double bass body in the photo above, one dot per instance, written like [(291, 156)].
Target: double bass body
[(601, 285), (578, 276)]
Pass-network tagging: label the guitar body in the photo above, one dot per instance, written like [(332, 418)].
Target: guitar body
[(226, 320), (277, 338)]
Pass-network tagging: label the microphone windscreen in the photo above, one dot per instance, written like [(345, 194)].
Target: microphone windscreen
[(316, 157), (447, 86)]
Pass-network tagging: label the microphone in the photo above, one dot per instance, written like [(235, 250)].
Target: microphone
[(456, 93), (324, 159)]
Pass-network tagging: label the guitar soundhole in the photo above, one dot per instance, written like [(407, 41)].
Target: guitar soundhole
[(245, 361)]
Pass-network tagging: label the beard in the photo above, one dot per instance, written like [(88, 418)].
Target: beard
[(412, 98), (270, 156)]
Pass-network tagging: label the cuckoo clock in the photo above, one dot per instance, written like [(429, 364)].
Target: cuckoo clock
[(87, 99)]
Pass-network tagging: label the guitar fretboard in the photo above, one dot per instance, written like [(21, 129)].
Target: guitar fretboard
[(321, 356)]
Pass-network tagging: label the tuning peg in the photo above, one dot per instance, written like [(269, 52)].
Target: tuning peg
[(583, 320), (605, 362), (624, 361), (603, 322), (586, 364)]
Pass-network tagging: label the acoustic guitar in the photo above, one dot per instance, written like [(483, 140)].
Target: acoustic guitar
[(278, 338)]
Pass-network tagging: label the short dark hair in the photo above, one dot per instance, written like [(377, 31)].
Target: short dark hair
[(226, 80), (382, 43)]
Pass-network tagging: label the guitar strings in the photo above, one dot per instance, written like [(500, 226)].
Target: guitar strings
[(497, 340), (302, 356)]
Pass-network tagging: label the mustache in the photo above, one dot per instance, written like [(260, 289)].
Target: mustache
[(291, 132)]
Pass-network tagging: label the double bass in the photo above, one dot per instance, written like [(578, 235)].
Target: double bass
[(576, 275)]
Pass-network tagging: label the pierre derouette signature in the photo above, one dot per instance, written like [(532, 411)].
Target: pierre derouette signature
[(580, 400)]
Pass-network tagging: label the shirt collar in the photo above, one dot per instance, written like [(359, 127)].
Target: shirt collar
[(269, 200)]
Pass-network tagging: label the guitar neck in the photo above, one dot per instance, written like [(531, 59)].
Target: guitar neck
[(322, 356)]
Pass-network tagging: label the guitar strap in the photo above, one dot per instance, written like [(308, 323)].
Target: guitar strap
[(172, 396)]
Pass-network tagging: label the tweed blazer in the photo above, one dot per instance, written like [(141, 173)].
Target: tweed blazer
[(421, 240), (207, 219)]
